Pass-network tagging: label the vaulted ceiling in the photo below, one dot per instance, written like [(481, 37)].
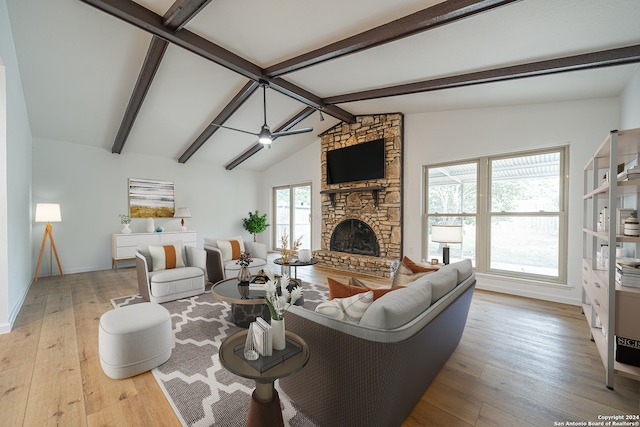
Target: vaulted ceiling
[(151, 76)]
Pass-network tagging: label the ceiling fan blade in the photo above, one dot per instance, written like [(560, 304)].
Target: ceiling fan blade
[(237, 130), (291, 132)]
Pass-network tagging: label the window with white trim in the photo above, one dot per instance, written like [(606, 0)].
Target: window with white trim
[(512, 210)]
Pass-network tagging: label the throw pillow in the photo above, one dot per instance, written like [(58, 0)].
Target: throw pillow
[(344, 290), (404, 276), (230, 249), (349, 309), (166, 257), (417, 268)]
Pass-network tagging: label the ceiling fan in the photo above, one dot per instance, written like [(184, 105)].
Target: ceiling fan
[(265, 136)]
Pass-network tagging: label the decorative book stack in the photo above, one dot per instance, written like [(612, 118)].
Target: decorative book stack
[(628, 275), (263, 337)]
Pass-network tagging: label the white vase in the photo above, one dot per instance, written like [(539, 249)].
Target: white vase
[(126, 229), (277, 329), (304, 255), (151, 227)]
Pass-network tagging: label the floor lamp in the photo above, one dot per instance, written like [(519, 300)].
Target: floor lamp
[(48, 212), (446, 234)]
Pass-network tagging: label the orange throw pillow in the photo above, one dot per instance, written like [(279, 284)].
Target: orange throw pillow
[(417, 268), (235, 249), (344, 290)]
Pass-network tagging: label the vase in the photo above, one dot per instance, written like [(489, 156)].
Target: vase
[(277, 329), (151, 227), (243, 290), (126, 229), (244, 275)]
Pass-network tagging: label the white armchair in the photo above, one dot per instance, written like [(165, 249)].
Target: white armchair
[(161, 285), (221, 263)]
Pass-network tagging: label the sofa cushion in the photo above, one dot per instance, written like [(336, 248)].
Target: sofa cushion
[(230, 249), (463, 268), (350, 309), (166, 257), (343, 290), (442, 282), (399, 307)]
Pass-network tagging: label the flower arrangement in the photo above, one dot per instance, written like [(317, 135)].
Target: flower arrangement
[(278, 304), (286, 252), (244, 259), (125, 219)]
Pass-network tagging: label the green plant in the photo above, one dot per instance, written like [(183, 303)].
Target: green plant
[(125, 219), (255, 224)]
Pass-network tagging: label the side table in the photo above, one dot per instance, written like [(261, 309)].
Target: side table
[(264, 410), (285, 267)]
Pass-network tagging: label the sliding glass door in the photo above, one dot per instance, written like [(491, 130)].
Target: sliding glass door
[(292, 213)]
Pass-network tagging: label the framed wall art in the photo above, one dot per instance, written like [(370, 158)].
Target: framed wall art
[(150, 198)]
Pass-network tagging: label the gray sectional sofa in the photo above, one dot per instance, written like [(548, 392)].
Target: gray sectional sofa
[(374, 373)]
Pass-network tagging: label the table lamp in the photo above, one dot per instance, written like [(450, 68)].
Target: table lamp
[(446, 234), (48, 212), (182, 213)]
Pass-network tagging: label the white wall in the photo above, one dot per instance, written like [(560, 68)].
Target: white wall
[(302, 167), (91, 186), (15, 214), (456, 135), (582, 125), (630, 103)]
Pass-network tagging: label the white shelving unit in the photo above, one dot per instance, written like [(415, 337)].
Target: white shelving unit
[(610, 309)]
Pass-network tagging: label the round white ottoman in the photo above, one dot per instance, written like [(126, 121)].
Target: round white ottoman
[(134, 339)]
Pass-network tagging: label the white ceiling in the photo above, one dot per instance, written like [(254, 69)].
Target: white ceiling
[(79, 66)]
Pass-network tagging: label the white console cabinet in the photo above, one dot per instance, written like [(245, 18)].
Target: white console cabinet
[(124, 246)]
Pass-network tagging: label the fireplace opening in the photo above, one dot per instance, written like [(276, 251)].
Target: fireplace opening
[(355, 237)]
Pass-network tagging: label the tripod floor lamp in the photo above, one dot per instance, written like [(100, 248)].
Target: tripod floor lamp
[(48, 212)]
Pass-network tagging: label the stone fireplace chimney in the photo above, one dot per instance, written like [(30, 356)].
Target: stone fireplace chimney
[(375, 206)]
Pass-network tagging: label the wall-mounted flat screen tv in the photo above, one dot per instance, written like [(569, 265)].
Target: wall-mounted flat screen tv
[(360, 162)]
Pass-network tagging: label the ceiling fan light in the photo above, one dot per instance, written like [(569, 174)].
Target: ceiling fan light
[(265, 136)]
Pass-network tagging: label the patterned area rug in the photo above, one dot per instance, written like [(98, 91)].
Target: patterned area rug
[(201, 391)]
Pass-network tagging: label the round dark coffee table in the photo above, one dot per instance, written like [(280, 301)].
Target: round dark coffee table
[(244, 310)]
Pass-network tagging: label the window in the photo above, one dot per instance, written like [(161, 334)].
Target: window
[(518, 228), (292, 213)]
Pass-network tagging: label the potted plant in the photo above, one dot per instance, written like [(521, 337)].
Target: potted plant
[(255, 224), (125, 220)]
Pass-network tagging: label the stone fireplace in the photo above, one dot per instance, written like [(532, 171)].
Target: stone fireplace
[(355, 237), (362, 221)]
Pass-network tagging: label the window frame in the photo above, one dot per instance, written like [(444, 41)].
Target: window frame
[(484, 215), (291, 187)]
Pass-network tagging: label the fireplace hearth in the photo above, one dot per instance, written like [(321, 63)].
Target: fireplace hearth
[(355, 237)]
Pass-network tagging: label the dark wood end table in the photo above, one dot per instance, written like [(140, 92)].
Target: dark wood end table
[(264, 410)]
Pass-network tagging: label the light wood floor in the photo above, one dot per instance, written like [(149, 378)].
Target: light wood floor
[(521, 362)]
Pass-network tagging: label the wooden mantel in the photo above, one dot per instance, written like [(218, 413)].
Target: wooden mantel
[(374, 193)]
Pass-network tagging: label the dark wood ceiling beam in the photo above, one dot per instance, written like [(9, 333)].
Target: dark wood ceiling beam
[(588, 61), (222, 117), (424, 20), (182, 11), (151, 22), (152, 60), (179, 14), (257, 147)]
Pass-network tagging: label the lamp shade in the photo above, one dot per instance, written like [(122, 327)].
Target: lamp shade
[(182, 213), (446, 233), (48, 212)]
